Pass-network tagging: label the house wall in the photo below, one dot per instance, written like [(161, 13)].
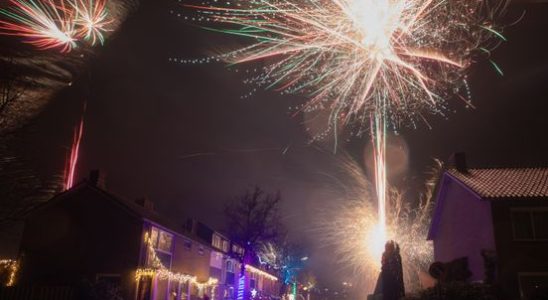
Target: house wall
[(516, 256), (188, 256), (465, 226), (78, 238), (194, 261)]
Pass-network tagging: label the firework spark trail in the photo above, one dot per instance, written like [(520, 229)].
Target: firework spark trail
[(348, 54), (70, 172), (378, 136), (357, 220), (49, 24), (92, 18), (45, 24)]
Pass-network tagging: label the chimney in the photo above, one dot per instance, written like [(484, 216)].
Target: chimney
[(97, 178), (145, 203), (458, 160)]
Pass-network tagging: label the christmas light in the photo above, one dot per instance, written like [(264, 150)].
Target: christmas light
[(12, 266), (254, 270), (164, 273)]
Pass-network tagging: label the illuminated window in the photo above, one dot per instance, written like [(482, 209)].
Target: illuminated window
[(161, 240), (164, 241), (225, 245), (237, 249), (154, 237), (217, 242), (229, 266), (530, 223)]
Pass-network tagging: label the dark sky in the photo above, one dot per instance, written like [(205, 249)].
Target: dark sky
[(181, 135)]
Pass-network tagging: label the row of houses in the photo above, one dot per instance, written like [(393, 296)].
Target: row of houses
[(88, 236)]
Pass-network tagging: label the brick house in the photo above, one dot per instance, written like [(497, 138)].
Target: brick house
[(500, 212), (87, 235)]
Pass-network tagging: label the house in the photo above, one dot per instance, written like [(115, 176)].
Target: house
[(226, 264), (87, 236), (495, 217)]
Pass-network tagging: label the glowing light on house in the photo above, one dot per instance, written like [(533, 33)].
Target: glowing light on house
[(12, 266), (164, 273), (260, 272), (241, 288)]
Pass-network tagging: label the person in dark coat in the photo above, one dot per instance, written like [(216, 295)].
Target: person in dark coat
[(392, 272)]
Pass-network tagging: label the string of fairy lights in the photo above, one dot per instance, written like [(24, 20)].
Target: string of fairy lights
[(252, 269), (12, 266), (161, 272)]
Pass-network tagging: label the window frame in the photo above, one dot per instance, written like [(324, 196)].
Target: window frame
[(530, 211), (231, 269)]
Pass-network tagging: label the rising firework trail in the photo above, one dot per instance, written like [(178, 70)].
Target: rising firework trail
[(70, 171), (44, 24)]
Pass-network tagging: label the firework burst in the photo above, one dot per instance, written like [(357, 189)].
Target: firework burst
[(355, 57), (44, 24), (56, 24), (92, 19)]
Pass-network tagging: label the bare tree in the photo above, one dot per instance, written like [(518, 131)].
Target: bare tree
[(12, 84), (253, 219)]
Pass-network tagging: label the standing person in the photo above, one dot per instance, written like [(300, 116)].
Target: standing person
[(392, 272)]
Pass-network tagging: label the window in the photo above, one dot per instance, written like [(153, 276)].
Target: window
[(161, 240), (188, 245), (201, 250), (164, 241), (229, 266), (225, 246), (217, 241), (530, 224), (531, 285), (237, 249)]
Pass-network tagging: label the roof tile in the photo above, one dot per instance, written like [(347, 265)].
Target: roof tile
[(506, 182)]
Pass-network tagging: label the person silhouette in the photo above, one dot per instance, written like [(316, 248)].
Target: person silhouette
[(392, 272)]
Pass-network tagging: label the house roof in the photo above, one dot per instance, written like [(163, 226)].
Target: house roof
[(505, 182)]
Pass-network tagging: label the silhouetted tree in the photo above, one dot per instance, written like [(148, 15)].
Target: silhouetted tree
[(253, 219), (12, 83)]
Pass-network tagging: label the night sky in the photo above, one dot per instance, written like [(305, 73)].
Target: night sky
[(182, 136)]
